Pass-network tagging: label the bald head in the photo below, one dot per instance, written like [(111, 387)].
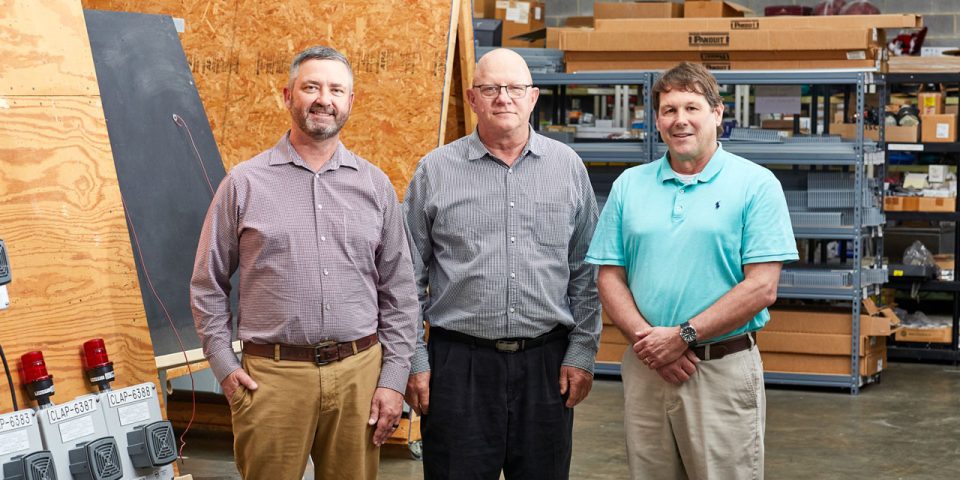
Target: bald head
[(502, 64)]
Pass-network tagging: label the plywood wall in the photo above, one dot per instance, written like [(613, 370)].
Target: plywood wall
[(240, 50), (60, 208)]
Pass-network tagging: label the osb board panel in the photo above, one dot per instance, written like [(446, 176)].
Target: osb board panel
[(239, 51), (45, 50), (73, 271)]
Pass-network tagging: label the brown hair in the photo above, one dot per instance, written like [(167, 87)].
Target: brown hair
[(690, 77)]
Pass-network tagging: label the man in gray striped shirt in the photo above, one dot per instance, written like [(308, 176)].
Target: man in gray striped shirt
[(501, 221), (327, 294)]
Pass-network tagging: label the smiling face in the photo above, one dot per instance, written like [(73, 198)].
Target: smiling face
[(502, 115), (688, 125), (320, 98)]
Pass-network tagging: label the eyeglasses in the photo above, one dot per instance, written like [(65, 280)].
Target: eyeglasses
[(492, 91)]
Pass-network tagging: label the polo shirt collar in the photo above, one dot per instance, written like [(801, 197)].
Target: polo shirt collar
[(709, 172), (476, 150), (285, 153)]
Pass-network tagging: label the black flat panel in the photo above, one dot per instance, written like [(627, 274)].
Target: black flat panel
[(168, 168)]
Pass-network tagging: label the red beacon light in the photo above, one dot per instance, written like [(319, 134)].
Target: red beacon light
[(97, 364), (39, 383)]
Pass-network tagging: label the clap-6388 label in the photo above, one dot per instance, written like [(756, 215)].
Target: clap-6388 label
[(15, 420), (72, 409), (132, 394)]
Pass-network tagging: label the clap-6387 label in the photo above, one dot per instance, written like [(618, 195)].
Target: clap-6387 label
[(15, 420), (72, 409), (132, 394)]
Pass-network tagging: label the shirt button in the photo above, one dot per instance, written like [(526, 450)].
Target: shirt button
[(511, 310), (513, 275), (513, 239), (326, 307), (322, 238), (510, 171), (319, 207), (681, 190), (511, 205), (325, 272)]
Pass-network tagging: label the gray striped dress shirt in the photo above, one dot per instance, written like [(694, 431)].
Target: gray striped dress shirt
[(502, 248), (322, 256)]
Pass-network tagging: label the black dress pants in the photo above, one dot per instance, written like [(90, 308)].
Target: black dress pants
[(492, 411)]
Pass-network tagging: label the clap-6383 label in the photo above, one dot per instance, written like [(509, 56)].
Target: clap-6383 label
[(15, 420), (132, 394), (72, 409)]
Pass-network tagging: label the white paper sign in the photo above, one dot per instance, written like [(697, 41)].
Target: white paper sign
[(778, 99), (943, 130), (14, 442), (74, 429), (134, 413)]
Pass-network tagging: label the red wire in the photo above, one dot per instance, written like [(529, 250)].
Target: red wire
[(146, 274)]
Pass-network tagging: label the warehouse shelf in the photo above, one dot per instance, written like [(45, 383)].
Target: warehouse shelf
[(840, 154), (839, 381), (622, 152), (930, 216), (924, 147), (826, 233), (950, 156)]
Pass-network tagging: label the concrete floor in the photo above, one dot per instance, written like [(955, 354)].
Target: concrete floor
[(905, 427)]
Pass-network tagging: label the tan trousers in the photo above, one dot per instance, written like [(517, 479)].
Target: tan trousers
[(302, 409), (709, 427)]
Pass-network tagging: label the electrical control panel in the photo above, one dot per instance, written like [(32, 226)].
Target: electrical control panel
[(22, 456), (146, 441)]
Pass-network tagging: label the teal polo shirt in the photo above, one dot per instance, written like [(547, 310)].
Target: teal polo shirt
[(684, 246)]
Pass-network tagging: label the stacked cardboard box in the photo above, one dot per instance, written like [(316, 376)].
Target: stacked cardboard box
[(819, 341), (760, 43), (612, 342)]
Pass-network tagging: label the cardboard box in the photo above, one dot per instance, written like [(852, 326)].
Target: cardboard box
[(849, 131), (591, 66), (687, 40), (930, 103), (832, 322), (938, 128), (484, 8), (713, 9), (813, 343), (945, 261), (872, 363), (838, 22), (606, 10), (553, 35), (925, 335), (722, 56), (901, 204), (520, 18), (612, 334), (611, 352), (934, 204), (901, 134)]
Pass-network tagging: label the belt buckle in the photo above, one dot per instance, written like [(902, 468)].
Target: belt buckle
[(507, 346), (318, 348)]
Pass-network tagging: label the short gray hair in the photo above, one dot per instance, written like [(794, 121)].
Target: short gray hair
[(318, 52)]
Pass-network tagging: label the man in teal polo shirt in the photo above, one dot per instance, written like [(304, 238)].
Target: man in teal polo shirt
[(690, 248)]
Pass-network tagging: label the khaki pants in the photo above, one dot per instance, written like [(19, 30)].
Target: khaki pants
[(710, 427), (302, 409)]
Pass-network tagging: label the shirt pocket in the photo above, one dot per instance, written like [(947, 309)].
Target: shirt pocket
[(553, 226)]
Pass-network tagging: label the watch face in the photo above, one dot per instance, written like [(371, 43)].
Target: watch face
[(688, 334)]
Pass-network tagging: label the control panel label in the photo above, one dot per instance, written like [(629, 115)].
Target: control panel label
[(15, 420), (136, 393), (72, 409)]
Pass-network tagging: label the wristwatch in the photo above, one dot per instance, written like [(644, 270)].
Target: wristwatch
[(688, 334)]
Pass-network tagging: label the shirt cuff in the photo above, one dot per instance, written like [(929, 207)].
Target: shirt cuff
[(394, 377), (580, 356), (421, 361), (223, 363)]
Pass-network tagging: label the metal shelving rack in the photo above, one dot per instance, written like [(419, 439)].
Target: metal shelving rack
[(859, 155), (920, 351)]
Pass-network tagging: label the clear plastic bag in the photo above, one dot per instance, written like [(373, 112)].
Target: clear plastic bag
[(829, 7), (917, 254), (859, 7)]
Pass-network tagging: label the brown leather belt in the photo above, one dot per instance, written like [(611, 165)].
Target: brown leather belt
[(503, 345), (718, 350), (321, 354)]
